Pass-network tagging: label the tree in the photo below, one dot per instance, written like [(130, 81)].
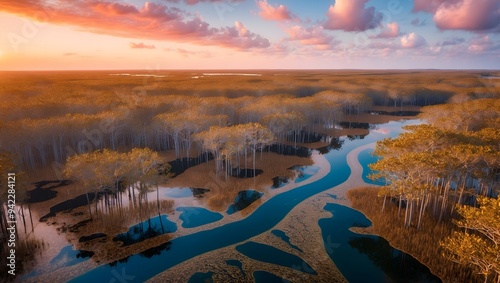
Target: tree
[(144, 171), (226, 143), (479, 244)]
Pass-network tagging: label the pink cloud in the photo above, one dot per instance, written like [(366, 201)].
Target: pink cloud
[(383, 131), (412, 40), (482, 44), (472, 15), (274, 13), (141, 46), (352, 15), (151, 21), (194, 2), (240, 36), (391, 30), (314, 36)]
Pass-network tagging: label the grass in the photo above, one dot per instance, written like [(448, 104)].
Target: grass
[(25, 256), (422, 244), (111, 224)]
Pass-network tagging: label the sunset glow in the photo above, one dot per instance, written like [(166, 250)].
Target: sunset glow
[(238, 34)]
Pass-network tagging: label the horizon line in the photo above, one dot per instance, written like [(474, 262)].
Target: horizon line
[(247, 69)]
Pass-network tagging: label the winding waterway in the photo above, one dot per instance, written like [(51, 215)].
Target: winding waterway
[(263, 219)]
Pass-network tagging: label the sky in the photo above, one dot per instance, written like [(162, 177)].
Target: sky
[(240, 34)]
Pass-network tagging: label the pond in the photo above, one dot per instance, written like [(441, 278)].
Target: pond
[(147, 229), (262, 219), (359, 257), (192, 217)]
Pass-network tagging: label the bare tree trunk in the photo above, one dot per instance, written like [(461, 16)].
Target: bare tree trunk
[(421, 212), (158, 199), (383, 205), (406, 214), (24, 219), (400, 203), (31, 218), (88, 203)]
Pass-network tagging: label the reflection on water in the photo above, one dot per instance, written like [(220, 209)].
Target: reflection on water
[(237, 263), (262, 219), (273, 255), (177, 192), (261, 276), (397, 265), (306, 172), (149, 253), (201, 277), (366, 158), (70, 204), (150, 228), (243, 200), (66, 257), (359, 257), (335, 144), (196, 216), (42, 192), (92, 237), (279, 181)]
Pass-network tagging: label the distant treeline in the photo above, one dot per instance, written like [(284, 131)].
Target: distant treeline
[(46, 117)]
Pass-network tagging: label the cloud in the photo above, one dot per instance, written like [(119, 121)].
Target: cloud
[(194, 2), (141, 46), (114, 8), (417, 22), (151, 21), (482, 44), (314, 36), (471, 15), (239, 36), (274, 13), (189, 53), (412, 40), (451, 42), (391, 30), (352, 15), (70, 54), (429, 6)]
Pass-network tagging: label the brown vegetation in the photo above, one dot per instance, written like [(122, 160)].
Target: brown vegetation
[(47, 116), (421, 243)]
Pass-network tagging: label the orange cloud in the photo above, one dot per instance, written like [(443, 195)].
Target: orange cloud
[(272, 13), (141, 46), (152, 21)]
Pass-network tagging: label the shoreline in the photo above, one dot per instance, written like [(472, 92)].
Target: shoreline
[(299, 216), (298, 222)]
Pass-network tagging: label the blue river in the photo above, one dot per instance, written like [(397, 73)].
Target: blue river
[(140, 267)]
